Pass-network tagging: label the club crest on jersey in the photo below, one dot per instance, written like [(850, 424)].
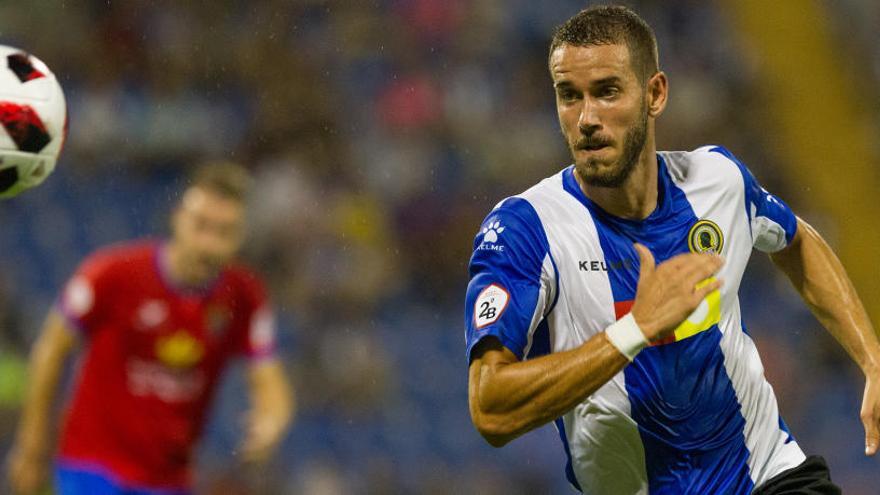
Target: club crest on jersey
[(179, 350), (705, 237)]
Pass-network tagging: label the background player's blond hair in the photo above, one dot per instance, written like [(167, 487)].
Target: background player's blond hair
[(227, 179)]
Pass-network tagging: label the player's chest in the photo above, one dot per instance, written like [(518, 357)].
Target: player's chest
[(178, 332), (594, 253)]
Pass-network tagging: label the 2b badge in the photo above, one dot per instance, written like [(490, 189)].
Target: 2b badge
[(490, 305)]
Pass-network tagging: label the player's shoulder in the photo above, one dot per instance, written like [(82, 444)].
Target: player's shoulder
[(710, 163), (245, 279), (547, 189), (241, 272), (710, 156), (123, 256), (523, 205), (514, 222), (521, 209)]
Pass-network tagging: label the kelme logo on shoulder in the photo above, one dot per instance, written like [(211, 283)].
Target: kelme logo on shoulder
[(705, 237), (491, 233)]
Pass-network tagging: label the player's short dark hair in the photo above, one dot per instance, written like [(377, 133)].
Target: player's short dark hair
[(612, 25), (225, 179)]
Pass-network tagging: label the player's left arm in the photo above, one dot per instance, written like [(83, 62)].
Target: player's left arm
[(271, 411), (271, 395), (818, 275)]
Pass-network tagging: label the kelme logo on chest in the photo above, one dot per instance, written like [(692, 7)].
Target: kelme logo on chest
[(604, 266), (705, 237)]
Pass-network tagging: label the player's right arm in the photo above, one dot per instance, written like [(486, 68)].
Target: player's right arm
[(31, 453), (80, 309), (509, 396)]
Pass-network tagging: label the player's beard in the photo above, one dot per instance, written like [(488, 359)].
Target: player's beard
[(633, 144)]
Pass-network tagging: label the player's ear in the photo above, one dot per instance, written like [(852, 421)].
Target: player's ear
[(657, 92)]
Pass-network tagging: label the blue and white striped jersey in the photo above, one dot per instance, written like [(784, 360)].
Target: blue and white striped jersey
[(693, 414)]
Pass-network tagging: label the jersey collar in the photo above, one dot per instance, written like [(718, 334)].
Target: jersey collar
[(160, 257), (664, 186)]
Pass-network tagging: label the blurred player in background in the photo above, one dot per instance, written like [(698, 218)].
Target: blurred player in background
[(158, 322), (645, 366)]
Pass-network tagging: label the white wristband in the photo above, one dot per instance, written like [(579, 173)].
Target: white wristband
[(626, 336)]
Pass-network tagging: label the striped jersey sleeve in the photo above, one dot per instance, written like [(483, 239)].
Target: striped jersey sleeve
[(773, 224), (512, 277)]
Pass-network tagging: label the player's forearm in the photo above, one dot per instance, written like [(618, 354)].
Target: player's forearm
[(47, 360), (513, 398), (271, 394), (818, 275)]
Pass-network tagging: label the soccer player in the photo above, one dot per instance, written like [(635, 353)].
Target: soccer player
[(605, 297), (158, 322)]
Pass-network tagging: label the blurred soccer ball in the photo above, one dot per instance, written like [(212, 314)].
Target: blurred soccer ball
[(33, 121)]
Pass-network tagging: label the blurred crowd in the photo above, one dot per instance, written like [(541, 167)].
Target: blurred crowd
[(380, 133)]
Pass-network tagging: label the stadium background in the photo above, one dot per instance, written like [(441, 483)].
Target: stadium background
[(380, 133)]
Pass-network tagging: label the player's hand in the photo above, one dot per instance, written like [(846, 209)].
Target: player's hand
[(870, 413), (27, 473), (264, 433), (666, 294)]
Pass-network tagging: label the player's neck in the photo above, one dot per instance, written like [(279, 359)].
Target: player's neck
[(636, 199), (175, 268)]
